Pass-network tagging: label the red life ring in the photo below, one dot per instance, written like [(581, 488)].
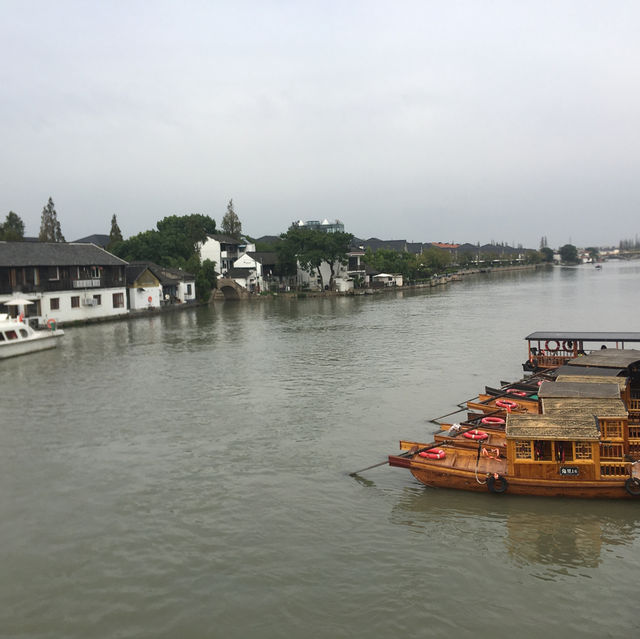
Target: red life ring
[(492, 421), (149, 299), (506, 403), (434, 453), (51, 323), (515, 391), (479, 435), (548, 346)]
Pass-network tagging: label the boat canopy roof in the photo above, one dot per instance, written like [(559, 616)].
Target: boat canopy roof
[(579, 427), (608, 358), (579, 389), (585, 378), (567, 406), (597, 336), (596, 371)]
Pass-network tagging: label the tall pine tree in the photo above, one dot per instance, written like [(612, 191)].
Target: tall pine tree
[(115, 234), (49, 225), (231, 224)]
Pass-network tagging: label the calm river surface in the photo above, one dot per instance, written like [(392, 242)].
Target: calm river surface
[(187, 475)]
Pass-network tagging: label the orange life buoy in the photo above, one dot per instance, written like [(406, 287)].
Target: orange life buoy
[(51, 323), (515, 391), (149, 299), (548, 346), (492, 421), (506, 403), (476, 434), (434, 453)]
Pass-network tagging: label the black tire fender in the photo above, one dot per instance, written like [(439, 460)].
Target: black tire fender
[(499, 484), (632, 486)]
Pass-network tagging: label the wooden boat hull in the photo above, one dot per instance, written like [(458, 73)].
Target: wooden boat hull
[(439, 474)]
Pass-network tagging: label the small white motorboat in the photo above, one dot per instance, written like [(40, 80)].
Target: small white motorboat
[(18, 338)]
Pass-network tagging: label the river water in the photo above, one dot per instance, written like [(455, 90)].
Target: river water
[(187, 475)]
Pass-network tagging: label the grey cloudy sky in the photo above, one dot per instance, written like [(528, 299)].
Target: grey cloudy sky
[(419, 120)]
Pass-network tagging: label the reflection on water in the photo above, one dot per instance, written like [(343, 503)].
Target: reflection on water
[(548, 537)]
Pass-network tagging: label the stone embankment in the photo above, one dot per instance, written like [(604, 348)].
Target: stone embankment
[(436, 280)]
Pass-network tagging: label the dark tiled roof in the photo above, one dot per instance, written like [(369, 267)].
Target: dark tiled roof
[(133, 272), (226, 239), (98, 239), (239, 272), (268, 239), (165, 274), (263, 257), (374, 244), (415, 247), (55, 254)]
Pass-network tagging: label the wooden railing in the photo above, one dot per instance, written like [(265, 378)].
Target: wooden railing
[(611, 451), (614, 469)]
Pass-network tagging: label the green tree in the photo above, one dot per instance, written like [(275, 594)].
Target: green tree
[(115, 234), (336, 247), (205, 274), (172, 244), (437, 259), (569, 254), (49, 225), (312, 247), (175, 244), (547, 254), (13, 228), (231, 224)]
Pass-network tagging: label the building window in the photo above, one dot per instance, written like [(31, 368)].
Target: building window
[(542, 450), (523, 450), (118, 300), (98, 299), (54, 303), (75, 301), (583, 450), (94, 272), (54, 273), (188, 289)]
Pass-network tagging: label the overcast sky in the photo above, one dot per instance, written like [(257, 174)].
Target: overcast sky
[(427, 121)]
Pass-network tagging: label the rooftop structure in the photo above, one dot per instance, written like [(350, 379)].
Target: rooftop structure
[(325, 225)]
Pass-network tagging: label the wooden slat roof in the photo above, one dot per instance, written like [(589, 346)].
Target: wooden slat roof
[(579, 427), (596, 371), (581, 406), (608, 358), (579, 389), (593, 379)]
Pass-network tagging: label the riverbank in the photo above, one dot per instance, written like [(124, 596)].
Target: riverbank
[(436, 280)]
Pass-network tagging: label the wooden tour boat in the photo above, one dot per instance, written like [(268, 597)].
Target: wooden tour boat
[(570, 429)]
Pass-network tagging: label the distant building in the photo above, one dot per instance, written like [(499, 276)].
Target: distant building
[(224, 250), (66, 282), (325, 225), (98, 239)]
